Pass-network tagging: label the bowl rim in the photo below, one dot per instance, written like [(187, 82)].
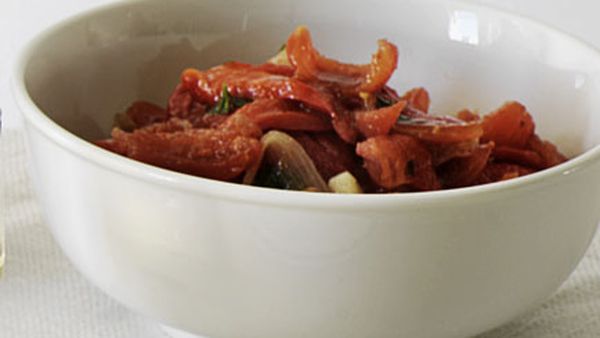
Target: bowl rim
[(269, 196)]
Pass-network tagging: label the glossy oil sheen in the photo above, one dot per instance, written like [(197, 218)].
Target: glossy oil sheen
[(225, 260)]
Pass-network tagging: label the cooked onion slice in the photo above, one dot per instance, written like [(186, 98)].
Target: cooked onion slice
[(437, 129), (285, 165)]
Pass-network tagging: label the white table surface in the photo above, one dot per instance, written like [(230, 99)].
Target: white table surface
[(41, 295)]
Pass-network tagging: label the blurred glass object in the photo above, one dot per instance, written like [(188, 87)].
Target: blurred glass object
[(2, 204), (1, 248)]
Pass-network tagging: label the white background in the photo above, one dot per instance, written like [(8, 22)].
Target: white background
[(21, 19)]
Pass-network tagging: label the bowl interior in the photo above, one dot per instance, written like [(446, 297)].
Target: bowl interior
[(81, 73)]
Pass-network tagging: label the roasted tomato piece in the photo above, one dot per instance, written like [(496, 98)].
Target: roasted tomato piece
[(275, 69), (211, 121), (495, 172), (251, 82), (379, 121), (292, 120), (463, 171), (437, 129), (284, 115), (210, 153), (425, 177), (526, 158), (352, 79), (444, 152), (547, 151), (330, 154), (467, 115), (382, 66), (207, 85), (344, 126), (182, 104), (143, 113), (510, 125), (417, 98), (396, 160), (241, 125), (170, 126)]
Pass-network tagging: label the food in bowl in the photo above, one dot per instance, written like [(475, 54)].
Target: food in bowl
[(326, 121)]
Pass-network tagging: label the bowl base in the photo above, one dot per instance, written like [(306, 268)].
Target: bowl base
[(175, 333)]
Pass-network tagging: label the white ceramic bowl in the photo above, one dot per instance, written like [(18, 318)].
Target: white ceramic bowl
[(226, 260)]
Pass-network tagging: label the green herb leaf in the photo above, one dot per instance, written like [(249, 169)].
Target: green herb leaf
[(238, 102), (382, 101), (403, 118), (275, 176), (222, 106), (227, 103)]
